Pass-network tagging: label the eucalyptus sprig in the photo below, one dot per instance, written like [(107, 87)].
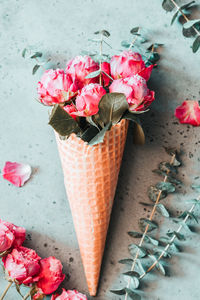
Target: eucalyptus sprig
[(191, 28), (149, 247), (28, 53)]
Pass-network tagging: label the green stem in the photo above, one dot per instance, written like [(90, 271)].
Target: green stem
[(100, 61), (6, 290)]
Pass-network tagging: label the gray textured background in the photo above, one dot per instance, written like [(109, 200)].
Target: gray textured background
[(60, 29)]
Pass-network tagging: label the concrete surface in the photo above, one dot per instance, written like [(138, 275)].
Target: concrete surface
[(60, 29)]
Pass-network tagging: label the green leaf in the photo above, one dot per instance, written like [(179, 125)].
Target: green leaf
[(154, 46), (190, 214), (151, 240), (125, 44), (92, 122), (134, 30), (62, 122), (138, 133), (176, 163), (162, 250), (188, 5), (111, 107), (132, 294), (132, 274), (159, 266), (174, 17), (89, 134), (167, 167), (36, 54), (165, 186), (126, 261), (154, 57), (99, 138), (104, 32), (35, 68), (196, 44), (132, 278), (153, 193), (188, 28), (170, 178), (178, 235), (135, 234), (174, 248), (93, 74), (118, 292), (133, 249), (168, 5), (24, 52), (195, 187), (162, 210), (139, 266), (194, 201), (143, 222)]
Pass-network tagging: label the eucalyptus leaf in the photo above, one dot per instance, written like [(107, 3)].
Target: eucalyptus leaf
[(35, 68), (190, 214), (133, 249), (139, 266), (132, 294), (93, 74), (125, 44), (171, 150), (132, 279), (118, 292), (162, 210), (159, 266), (143, 222), (166, 186), (167, 167), (36, 54), (161, 250), (195, 187), (153, 193), (174, 17), (104, 32), (111, 107), (62, 122), (194, 201), (24, 52), (187, 5), (135, 234), (168, 5), (132, 274), (188, 28), (173, 247), (196, 44), (151, 240), (99, 138), (134, 30), (176, 163), (126, 261), (178, 235), (170, 178)]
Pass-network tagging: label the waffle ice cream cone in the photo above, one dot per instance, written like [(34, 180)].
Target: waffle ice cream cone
[(90, 176)]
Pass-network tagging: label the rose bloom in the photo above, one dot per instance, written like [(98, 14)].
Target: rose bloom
[(71, 109), (69, 295), (81, 66), (22, 264), (56, 87), (88, 99), (129, 63), (138, 96), (10, 235), (189, 112), (105, 66), (50, 276)]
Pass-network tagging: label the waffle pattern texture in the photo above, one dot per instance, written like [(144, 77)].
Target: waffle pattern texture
[(90, 176)]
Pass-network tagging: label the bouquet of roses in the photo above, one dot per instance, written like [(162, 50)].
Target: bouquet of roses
[(93, 101)]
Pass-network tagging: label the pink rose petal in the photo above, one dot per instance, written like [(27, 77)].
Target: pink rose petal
[(189, 112), (16, 173)]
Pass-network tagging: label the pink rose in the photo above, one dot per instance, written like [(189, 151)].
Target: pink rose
[(138, 96), (105, 66), (50, 276), (10, 235), (88, 99), (129, 63), (71, 109), (79, 67), (69, 295), (16, 173), (189, 112), (22, 264), (56, 87)]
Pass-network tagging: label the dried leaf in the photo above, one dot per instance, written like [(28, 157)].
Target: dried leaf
[(153, 193), (99, 138), (165, 186)]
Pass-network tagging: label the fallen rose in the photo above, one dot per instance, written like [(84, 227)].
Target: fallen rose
[(16, 173), (88, 99), (69, 295), (138, 96), (189, 112), (10, 235), (129, 63), (81, 66), (56, 87), (50, 276), (22, 264)]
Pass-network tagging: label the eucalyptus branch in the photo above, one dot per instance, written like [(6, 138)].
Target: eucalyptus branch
[(100, 61), (147, 226), (6, 290), (134, 40), (170, 242)]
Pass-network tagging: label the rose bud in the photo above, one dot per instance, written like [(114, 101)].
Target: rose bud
[(189, 112), (56, 87), (22, 264), (88, 99), (10, 235), (105, 66), (50, 276), (138, 96), (81, 66), (129, 63), (71, 109), (69, 295)]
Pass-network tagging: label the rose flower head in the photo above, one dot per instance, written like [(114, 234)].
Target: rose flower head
[(129, 63), (138, 96), (10, 235), (56, 87), (69, 295), (22, 264), (71, 109)]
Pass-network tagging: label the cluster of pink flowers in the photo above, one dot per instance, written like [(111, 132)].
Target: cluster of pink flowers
[(126, 73), (24, 266)]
